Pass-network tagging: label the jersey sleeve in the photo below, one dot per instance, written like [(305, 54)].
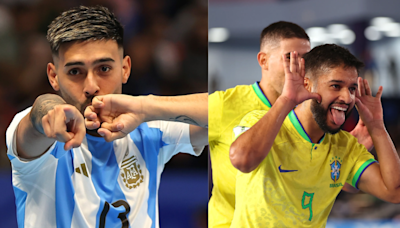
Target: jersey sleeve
[(175, 138), (247, 122), (361, 160), (215, 107), (19, 164)]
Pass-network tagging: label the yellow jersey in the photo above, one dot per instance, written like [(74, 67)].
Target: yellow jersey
[(226, 109), (297, 183)]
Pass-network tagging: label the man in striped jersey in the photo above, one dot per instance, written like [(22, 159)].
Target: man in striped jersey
[(89, 156)]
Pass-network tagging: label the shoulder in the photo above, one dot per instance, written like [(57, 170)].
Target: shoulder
[(239, 89), (343, 138), (252, 117)]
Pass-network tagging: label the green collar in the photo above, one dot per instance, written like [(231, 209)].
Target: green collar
[(260, 94), (296, 123)]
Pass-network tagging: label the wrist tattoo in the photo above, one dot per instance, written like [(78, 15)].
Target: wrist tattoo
[(185, 119), (41, 107)]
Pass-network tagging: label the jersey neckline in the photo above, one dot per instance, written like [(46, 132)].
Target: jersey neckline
[(300, 129), (260, 94)]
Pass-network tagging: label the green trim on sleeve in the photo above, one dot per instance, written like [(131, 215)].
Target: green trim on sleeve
[(360, 170), (260, 94)]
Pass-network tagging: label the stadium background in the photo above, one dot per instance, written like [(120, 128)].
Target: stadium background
[(167, 41), (234, 30)]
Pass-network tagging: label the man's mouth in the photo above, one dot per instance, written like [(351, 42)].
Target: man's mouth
[(338, 112)]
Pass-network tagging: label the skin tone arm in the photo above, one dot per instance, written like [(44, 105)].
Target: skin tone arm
[(46, 123), (250, 148), (381, 180), (117, 114)]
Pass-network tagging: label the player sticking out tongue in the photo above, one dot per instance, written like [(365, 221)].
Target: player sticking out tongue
[(338, 114)]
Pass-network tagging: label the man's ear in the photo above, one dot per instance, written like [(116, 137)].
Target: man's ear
[(262, 59), (307, 84), (52, 76), (126, 69)]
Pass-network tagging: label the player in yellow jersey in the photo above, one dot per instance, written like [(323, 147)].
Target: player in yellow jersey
[(293, 163), (227, 108)]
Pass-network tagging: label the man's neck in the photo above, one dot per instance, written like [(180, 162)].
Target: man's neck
[(269, 91), (306, 119)]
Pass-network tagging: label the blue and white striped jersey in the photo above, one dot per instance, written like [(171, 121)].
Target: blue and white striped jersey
[(99, 184)]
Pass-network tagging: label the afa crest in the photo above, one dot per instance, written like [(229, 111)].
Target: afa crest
[(131, 173), (335, 168)]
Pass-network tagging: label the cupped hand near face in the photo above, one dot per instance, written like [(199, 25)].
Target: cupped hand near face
[(368, 106), (294, 90)]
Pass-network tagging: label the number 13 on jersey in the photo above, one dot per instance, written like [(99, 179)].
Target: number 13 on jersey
[(304, 199)]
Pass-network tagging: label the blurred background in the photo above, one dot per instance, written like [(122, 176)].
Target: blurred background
[(167, 41), (369, 29)]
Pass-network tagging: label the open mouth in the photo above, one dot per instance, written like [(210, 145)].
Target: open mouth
[(338, 113)]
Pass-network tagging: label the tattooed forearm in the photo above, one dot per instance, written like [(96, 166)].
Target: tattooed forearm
[(186, 119), (43, 104)]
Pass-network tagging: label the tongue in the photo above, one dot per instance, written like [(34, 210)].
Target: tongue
[(338, 116)]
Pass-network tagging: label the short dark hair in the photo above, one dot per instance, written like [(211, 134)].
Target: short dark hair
[(282, 30), (84, 23), (329, 56)]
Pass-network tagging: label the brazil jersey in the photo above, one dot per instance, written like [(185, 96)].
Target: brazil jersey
[(99, 184), (226, 109), (297, 183)]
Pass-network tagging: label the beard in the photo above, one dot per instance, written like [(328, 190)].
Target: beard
[(80, 106), (320, 115)]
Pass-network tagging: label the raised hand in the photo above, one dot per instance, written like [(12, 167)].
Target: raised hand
[(116, 115), (369, 107), (64, 123), (294, 89), (362, 135)]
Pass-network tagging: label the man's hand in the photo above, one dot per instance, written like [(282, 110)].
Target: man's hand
[(362, 135), (369, 107), (116, 115), (64, 123), (294, 90)]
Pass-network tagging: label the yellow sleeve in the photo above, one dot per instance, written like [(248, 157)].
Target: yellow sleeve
[(215, 107), (247, 122), (362, 159)]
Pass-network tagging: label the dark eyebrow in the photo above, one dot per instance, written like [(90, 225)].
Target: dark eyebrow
[(103, 60), (341, 82), (336, 81), (74, 63), (78, 63)]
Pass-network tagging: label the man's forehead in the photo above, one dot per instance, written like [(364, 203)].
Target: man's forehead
[(339, 74), (87, 50)]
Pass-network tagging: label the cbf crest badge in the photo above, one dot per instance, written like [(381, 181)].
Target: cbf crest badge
[(335, 168), (131, 173)]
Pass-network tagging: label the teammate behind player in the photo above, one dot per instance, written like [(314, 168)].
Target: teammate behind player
[(228, 107), (66, 176), (295, 162)]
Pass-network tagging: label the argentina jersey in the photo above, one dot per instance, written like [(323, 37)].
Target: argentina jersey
[(99, 184)]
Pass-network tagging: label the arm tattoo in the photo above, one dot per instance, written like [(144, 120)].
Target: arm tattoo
[(186, 119), (43, 104)]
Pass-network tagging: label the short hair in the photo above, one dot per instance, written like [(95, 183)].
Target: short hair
[(281, 30), (84, 23), (329, 56)]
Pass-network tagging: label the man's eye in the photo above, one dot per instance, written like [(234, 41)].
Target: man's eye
[(335, 86), (105, 69), (73, 72), (352, 89)]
